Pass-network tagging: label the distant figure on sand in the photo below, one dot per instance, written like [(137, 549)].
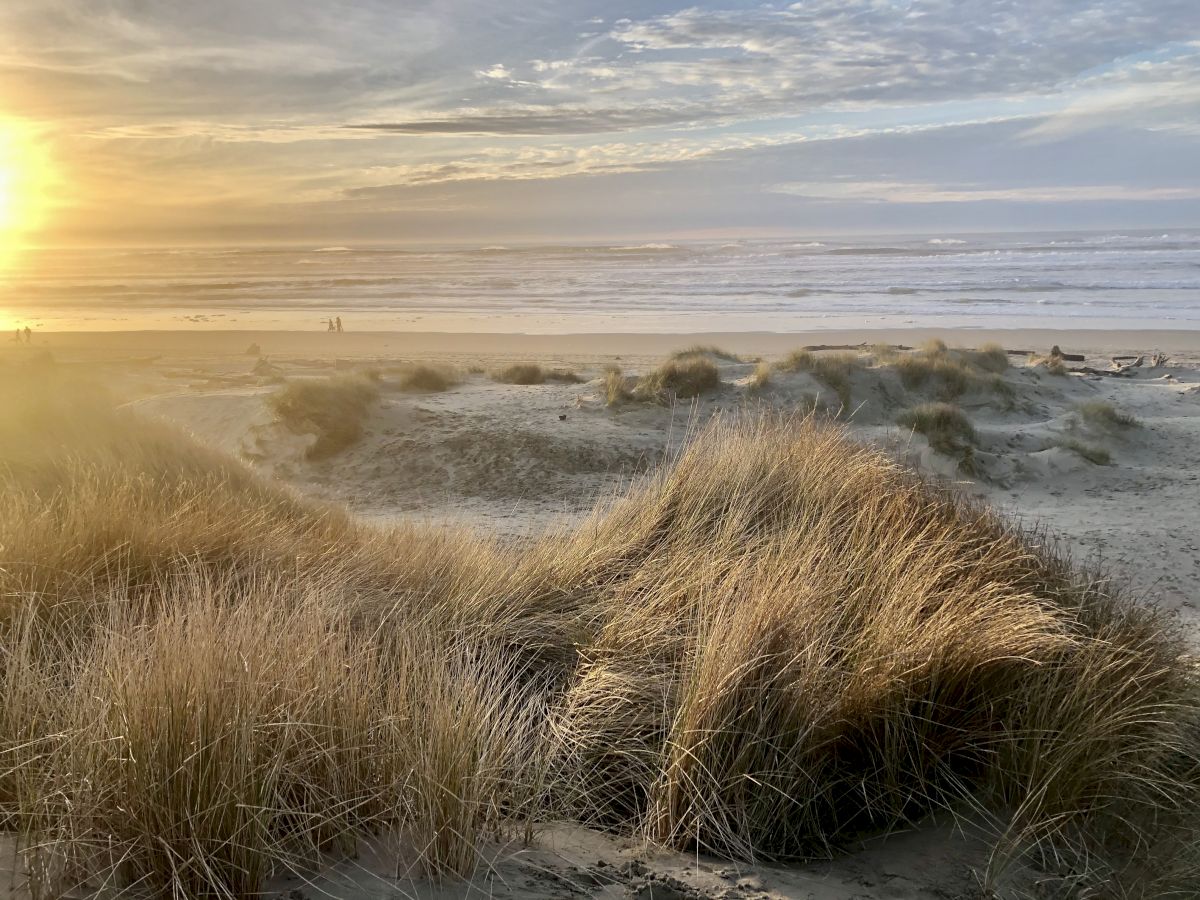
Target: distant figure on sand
[(339, 324), (28, 335), (17, 336), (330, 325)]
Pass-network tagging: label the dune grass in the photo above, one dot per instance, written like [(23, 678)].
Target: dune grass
[(1102, 414), (678, 379), (761, 377), (944, 425), (951, 373), (777, 644), (616, 387), (333, 408), (1092, 452), (834, 370), (427, 378), (709, 350), (532, 373)]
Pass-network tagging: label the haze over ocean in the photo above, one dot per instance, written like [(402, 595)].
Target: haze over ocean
[(1101, 280)]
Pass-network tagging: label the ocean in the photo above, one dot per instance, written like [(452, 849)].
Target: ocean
[(1111, 280)]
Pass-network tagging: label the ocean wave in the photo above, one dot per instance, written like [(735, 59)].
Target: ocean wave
[(945, 241)]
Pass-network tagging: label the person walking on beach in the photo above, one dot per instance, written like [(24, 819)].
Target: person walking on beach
[(330, 328), (28, 335), (339, 324)]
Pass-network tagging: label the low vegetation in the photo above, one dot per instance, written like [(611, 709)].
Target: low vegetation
[(532, 373), (944, 425), (778, 644), (427, 378), (706, 350), (333, 408), (678, 379), (834, 370), (761, 377), (616, 387), (1102, 414), (1093, 453), (949, 374)]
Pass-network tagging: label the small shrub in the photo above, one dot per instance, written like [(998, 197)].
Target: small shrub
[(1093, 453), (761, 377), (990, 357), (831, 369), (705, 350), (943, 424), (566, 376), (476, 369), (428, 378), (334, 409), (521, 373), (616, 387), (1102, 414), (679, 379), (1052, 364)]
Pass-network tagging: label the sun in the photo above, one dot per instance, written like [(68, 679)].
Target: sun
[(24, 172)]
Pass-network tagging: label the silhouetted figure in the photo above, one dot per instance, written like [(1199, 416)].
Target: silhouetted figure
[(330, 325), (339, 324), (28, 335), (17, 336)]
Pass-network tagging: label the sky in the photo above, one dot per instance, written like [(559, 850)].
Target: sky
[(373, 121)]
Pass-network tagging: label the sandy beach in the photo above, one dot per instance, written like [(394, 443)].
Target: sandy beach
[(514, 460)]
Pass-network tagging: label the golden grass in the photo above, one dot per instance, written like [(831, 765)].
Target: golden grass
[(616, 387), (678, 379), (761, 378), (944, 425), (834, 370), (532, 373), (427, 378), (1092, 452), (1102, 414), (705, 350), (333, 408), (778, 643)]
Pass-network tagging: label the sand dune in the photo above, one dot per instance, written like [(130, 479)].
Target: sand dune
[(515, 459)]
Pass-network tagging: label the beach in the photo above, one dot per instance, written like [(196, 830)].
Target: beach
[(513, 461)]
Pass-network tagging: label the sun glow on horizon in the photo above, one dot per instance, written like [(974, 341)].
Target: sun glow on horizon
[(24, 178)]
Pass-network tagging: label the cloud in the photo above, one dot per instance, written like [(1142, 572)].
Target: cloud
[(901, 192)]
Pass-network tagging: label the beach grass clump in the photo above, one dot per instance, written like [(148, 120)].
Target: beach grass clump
[(760, 379), (834, 370), (951, 373), (1092, 452), (334, 409), (520, 373), (989, 357), (532, 373), (710, 350), (944, 425), (616, 387), (426, 378), (678, 379), (1102, 414), (780, 642)]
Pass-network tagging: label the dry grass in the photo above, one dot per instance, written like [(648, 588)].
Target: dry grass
[(616, 387), (761, 378), (709, 350), (678, 379), (531, 373), (943, 424), (1102, 414), (333, 408), (780, 642), (428, 378), (834, 370), (949, 374), (1093, 453)]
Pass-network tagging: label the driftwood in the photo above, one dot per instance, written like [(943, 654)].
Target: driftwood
[(1158, 360), (1126, 369), (816, 348), (1065, 357)]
